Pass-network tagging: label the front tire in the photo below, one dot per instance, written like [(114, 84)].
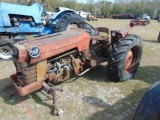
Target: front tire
[(68, 21), (149, 106), (7, 49), (125, 58)]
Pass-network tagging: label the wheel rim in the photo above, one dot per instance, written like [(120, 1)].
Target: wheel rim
[(72, 25), (6, 52), (130, 60)]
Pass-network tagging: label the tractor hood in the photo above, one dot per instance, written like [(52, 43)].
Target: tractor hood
[(45, 47)]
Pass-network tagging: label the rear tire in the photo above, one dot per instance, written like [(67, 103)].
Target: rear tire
[(124, 58), (67, 20), (149, 106)]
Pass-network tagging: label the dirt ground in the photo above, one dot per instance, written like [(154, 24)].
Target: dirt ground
[(90, 97)]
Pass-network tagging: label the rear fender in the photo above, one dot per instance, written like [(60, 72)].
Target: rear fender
[(55, 18), (120, 33)]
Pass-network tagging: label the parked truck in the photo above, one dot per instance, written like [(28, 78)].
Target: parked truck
[(146, 17)]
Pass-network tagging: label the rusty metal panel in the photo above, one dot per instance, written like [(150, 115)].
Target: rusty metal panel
[(41, 70), (124, 31), (29, 73), (83, 44), (22, 52), (51, 45), (22, 91)]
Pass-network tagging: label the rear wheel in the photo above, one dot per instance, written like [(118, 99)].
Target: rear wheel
[(68, 21), (149, 106), (125, 58)]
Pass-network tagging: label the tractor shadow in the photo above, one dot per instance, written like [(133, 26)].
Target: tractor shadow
[(123, 109), (98, 74), (11, 97), (148, 74)]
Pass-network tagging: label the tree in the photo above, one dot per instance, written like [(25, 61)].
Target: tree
[(106, 9), (117, 9), (103, 7)]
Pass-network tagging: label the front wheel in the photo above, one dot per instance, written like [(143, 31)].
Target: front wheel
[(124, 58), (68, 21), (149, 106), (7, 50)]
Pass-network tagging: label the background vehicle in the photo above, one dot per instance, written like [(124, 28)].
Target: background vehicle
[(140, 21), (123, 16), (126, 16), (146, 16), (91, 18), (115, 16), (17, 20), (83, 14)]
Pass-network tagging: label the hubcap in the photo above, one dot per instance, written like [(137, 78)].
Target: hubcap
[(5, 52), (130, 60)]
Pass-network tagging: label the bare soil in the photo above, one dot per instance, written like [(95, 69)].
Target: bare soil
[(93, 96)]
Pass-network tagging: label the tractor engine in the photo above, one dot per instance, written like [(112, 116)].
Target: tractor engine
[(60, 69), (57, 69)]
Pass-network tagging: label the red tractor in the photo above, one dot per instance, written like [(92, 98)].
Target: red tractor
[(54, 58)]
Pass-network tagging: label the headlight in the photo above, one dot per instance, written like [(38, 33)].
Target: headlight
[(34, 52)]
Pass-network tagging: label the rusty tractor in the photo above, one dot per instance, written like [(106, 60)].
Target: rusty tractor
[(54, 58), (140, 22)]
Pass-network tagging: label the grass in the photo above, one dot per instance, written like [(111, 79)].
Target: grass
[(90, 97)]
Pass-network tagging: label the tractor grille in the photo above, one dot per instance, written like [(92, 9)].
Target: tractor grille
[(26, 73)]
